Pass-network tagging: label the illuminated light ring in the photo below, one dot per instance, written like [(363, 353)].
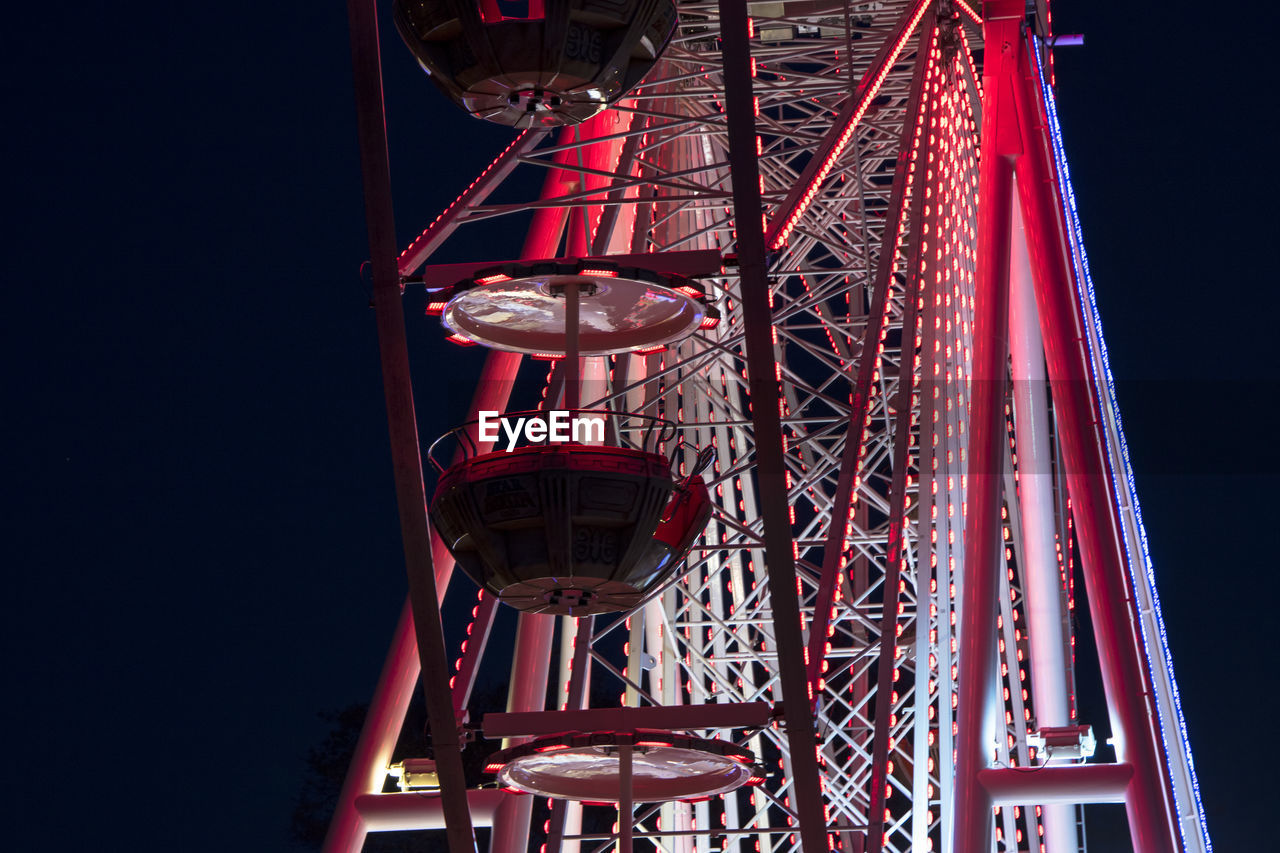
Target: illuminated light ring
[(1102, 374), (864, 103)]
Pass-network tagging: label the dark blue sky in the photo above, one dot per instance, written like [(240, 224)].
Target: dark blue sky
[(201, 543)]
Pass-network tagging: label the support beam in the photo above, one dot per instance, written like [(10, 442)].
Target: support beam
[(391, 698), (478, 638), (626, 805), (1081, 783), (856, 429), (765, 397), (1042, 579), (402, 422), (735, 715), (414, 810), (368, 771), (895, 547), (528, 691), (1126, 681), (1041, 575), (977, 712), (530, 668), (579, 679), (447, 222), (691, 263)]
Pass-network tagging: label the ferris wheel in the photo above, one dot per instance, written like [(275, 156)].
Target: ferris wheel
[(827, 439)]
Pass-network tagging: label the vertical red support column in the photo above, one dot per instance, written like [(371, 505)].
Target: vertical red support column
[(977, 709), (1135, 725)]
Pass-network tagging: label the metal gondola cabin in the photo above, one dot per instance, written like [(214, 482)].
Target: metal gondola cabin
[(536, 63)]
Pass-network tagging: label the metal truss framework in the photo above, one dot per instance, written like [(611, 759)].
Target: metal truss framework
[(937, 483)]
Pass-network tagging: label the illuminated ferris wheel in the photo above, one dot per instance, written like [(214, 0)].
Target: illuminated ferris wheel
[(827, 437)]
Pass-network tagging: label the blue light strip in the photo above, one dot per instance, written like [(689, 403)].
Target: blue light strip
[(1102, 364)]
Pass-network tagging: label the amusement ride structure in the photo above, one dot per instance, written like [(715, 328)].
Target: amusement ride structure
[(828, 439)]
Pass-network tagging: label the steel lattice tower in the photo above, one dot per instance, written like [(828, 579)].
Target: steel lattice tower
[(916, 442)]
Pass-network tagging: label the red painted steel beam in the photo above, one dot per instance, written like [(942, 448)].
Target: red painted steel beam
[(610, 214), (977, 712), (596, 159), (402, 423), (1125, 677), (765, 394)]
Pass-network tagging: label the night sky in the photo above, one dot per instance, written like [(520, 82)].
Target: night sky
[(201, 545)]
